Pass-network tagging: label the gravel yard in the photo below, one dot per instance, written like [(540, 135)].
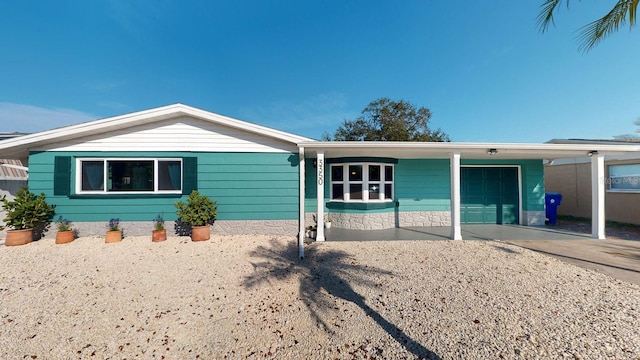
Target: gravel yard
[(242, 297)]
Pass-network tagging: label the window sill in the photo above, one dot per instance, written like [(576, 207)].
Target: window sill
[(624, 191), (124, 196), (341, 205)]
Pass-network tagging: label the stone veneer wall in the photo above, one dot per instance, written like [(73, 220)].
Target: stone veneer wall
[(222, 227), (385, 220), (533, 218)]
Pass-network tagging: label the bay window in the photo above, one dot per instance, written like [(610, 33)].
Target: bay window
[(361, 182)]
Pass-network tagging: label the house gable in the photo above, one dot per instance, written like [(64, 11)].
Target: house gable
[(184, 133), (116, 129)]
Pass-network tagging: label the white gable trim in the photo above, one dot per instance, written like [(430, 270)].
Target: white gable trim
[(19, 146)]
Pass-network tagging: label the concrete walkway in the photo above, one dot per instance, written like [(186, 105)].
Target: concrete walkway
[(617, 258)]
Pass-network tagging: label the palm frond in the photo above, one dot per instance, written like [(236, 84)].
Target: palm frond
[(545, 18), (594, 32)]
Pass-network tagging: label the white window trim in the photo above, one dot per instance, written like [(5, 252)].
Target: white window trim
[(365, 183), (79, 161)]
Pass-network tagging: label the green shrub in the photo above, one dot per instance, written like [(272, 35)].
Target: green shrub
[(27, 210), (199, 210)]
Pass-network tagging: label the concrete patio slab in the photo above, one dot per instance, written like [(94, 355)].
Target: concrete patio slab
[(617, 258), (469, 232)]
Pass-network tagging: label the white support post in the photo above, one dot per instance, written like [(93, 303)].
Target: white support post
[(301, 216), (456, 229), (320, 197), (597, 197)]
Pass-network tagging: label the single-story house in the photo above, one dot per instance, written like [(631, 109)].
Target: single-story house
[(135, 166), (571, 178)]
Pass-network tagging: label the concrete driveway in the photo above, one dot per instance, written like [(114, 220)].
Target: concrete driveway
[(617, 258), (614, 257)]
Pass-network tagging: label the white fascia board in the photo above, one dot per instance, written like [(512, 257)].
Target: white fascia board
[(138, 118), (546, 151)]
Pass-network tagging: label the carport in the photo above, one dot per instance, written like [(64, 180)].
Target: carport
[(459, 156)]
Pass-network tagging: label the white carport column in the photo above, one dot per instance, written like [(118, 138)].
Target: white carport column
[(320, 197), (456, 229), (597, 197), (301, 217)]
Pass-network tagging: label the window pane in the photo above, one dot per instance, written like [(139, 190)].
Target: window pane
[(92, 175), (355, 191), (388, 173), (374, 172), (625, 183), (388, 192), (624, 170), (338, 191), (169, 175), (128, 175), (336, 173), (355, 172), (374, 191)]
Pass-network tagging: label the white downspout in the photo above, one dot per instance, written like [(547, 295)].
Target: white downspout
[(456, 229), (320, 197), (597, 197), (301, 216)]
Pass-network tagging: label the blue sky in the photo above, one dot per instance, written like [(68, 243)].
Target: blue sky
[(482, 67)]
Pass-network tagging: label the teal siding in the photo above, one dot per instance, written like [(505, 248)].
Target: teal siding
[(424, 184), (311, 187), (246, 186)]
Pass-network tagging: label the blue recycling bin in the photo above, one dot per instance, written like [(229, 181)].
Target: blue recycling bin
[(552, 200)]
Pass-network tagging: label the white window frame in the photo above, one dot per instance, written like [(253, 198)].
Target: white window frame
[(627, 178), (365, 182), (105, 175)]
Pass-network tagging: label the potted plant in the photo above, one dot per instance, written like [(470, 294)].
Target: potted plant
[(23, 213), (65, 232), (159, 233), (198, 211), (327, 221), (312, 231), (114, 234)]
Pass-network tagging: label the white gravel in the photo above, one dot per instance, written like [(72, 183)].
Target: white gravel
[(250, 297)]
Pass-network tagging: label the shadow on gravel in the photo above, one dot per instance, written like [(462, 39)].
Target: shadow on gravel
[(323, 276)]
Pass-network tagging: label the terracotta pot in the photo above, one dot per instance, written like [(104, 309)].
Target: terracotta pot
[(200, 233), (158, 235), (18, 237), (113, 236), (63, 237)]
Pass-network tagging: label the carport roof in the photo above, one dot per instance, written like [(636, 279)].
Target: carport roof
[(443, 150)]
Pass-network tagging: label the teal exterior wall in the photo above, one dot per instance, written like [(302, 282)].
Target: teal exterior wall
[(425, 185), (246, 186)]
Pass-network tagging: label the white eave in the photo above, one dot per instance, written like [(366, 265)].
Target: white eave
[(18, 147), (442, 150)]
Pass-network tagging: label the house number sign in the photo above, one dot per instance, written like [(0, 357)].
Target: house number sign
[(320, 171)]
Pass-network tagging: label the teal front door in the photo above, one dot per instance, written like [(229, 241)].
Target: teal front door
[(489, 195)]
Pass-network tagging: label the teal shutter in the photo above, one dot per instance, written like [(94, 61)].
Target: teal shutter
[(190, 174), (62, 175)]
